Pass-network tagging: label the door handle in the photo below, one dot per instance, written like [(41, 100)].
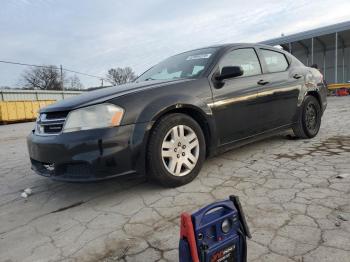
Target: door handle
[(262, 82), (297, 76)]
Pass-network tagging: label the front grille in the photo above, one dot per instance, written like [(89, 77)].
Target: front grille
[(52, 129), (50, 123), (56, 115)]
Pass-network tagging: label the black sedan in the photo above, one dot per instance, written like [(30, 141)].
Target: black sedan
[(190, 106)]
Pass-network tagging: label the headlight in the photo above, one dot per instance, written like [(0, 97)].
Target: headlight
[(98, 116)]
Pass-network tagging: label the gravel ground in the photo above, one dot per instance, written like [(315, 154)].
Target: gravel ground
[(297, 208)]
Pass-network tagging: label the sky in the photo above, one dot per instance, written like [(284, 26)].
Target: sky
[(92, 36)]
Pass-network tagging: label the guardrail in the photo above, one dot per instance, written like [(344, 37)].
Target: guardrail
[(35, 95)]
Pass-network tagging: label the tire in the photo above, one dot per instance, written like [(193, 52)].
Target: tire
[(171, 160), (308, 126)]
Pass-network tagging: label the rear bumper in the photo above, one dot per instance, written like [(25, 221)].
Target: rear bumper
[(86, 155)]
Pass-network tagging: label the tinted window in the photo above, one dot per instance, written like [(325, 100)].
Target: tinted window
[(245, 58), (275, 61)]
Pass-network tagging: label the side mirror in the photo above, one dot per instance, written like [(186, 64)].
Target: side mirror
[(229, 72)]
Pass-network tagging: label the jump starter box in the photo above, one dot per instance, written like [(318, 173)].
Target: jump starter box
[(215, 233)]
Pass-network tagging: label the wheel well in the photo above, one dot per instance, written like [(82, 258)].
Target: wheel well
[(197, 116), (316, 95)]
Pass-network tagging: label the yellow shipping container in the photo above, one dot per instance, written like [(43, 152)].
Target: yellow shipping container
[(13, 111)]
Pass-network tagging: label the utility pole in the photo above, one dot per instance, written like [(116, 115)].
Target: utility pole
[(61, 70), (102, 82)]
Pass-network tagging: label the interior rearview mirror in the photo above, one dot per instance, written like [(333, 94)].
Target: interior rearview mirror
[(229, 72)]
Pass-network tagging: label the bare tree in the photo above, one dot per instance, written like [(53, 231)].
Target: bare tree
[(119, 76), (73, 83), (45, 78)]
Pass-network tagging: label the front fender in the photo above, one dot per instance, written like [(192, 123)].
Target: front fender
[(183, 104), (162, 105)]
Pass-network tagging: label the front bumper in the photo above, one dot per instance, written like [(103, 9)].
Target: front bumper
[(87, 155)]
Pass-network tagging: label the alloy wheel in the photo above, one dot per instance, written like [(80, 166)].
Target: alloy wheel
[(311, 117), (180, 150)]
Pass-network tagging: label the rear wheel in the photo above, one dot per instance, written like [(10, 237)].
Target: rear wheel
[(176, 150), (309, 120)]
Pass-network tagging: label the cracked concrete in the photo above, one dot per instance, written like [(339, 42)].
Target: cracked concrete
[(297, 208)]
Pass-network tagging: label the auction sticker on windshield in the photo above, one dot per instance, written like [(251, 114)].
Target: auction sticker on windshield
[(200, 56)]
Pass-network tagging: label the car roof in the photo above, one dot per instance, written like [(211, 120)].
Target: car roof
[(229, 45)]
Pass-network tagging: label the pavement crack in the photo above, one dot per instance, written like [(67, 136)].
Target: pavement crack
[(67, 207)]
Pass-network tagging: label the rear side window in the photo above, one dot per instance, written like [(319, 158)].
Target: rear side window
[(275, 61), (245, 58)]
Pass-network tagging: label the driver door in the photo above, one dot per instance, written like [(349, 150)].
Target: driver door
[(235, 106)]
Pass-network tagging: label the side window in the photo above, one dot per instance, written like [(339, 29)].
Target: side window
[(275, 61), (245, 58)]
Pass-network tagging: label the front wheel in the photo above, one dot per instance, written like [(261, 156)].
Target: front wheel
[(176, 150), (309, 119)]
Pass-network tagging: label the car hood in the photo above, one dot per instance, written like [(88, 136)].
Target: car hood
[(105, 94)]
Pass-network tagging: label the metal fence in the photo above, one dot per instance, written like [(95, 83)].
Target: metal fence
[(35, 95)]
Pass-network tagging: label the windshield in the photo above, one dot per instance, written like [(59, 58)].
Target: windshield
[(186, 65)]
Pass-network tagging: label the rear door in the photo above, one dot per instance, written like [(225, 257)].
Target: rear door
[(279, 90), (235, 105)]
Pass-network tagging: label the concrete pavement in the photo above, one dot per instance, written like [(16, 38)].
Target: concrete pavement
[(297, 207)]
